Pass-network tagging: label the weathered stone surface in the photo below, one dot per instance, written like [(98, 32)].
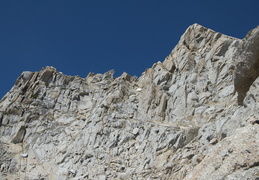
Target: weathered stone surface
[(235, 157), (19, 133), (193, 116)]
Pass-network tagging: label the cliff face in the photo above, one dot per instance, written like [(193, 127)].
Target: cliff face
[(193, 116)]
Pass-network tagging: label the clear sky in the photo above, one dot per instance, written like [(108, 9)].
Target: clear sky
[(82, 36)]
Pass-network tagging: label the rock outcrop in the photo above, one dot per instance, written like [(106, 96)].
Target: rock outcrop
[(193, 116)]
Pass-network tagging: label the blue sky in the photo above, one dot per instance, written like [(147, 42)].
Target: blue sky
[(82, 36)]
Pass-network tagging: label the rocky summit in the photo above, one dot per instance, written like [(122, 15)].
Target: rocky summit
[(194, 116)]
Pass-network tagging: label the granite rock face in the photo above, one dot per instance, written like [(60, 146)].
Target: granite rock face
[(192, 116)]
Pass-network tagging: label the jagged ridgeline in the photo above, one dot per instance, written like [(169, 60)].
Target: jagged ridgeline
[(193, 116)]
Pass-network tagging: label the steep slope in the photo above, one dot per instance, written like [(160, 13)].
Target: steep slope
[(193, 116)]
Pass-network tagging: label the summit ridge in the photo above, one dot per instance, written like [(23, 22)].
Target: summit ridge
[(192, 116)]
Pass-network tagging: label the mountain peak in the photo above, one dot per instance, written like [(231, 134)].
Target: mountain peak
[(197, 107)]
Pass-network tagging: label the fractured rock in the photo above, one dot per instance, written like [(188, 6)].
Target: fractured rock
[(192, 116)]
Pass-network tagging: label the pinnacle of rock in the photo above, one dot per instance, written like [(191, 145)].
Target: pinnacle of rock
[(192, 116)]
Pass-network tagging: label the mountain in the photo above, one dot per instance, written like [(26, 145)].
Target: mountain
[(193, 116)]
